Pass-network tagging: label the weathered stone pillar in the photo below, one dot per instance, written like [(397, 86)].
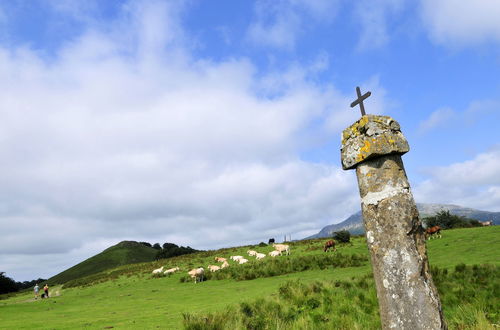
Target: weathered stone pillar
[(407, 297)]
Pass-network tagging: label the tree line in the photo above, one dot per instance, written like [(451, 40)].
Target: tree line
[(8, 285), (445, 220), (169, 250)]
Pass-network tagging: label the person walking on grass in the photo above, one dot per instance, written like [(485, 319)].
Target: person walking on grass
[(46, 289), (36, 289)]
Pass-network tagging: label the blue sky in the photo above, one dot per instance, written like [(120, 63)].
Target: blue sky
[(173, 120)]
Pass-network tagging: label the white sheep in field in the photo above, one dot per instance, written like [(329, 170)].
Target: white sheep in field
[(251, 253), (235, 258), (220, 259), (213, 268), (197, 273), (259, 256), (158, 271), (274, 253), (224, 265), (171, 271), (282, 248), (242, 261)]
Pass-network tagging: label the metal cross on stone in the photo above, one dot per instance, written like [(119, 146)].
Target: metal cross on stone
[(360, 100)]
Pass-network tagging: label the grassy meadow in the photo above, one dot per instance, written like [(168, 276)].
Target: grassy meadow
[(317, 290)]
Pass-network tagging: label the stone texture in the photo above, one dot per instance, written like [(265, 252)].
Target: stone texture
[(370, 137), (407, 296)]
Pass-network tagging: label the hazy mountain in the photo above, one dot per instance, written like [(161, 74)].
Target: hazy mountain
[(354, 223)]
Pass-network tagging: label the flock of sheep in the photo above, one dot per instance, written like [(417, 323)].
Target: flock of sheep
[(198, 273)]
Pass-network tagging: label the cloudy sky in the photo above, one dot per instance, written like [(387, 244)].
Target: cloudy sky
[(217, 123)]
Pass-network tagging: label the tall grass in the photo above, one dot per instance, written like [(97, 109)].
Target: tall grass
[(284, 265), (469, 294)]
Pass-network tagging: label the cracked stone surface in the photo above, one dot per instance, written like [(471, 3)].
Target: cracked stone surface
[(407, 296)]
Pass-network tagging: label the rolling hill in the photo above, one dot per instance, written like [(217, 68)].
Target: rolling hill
[(304, 294), (354, 223), (123, 253)]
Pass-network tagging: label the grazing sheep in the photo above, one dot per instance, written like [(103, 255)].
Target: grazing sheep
[(274, 253), (259, 256), (282, 248), (171, 271), (197, 273), (158, 271), (251, 253), (224, 265), (242, 261), (235, 258), (213, 268), (220, 259)]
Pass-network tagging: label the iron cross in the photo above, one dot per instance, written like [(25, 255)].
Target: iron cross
[(360, 100)]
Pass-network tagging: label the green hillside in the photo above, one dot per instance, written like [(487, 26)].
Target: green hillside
[(309, 289), (123, 253)]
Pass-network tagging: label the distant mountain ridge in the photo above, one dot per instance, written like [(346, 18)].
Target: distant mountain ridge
[(354, 223)]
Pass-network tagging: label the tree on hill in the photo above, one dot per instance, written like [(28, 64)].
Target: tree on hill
[(172, 250), (168, 246), (343, 236), (157, 246), (145, 244), (446, 220), (7, 284)]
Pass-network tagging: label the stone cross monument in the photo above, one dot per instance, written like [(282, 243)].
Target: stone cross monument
[(407, 296)]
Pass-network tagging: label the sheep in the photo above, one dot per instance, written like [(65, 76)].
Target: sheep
[(220, 259), (274, 253), (224, 265), (259, 256), (213, 268), (236, 258), (282, 248), (242, 261), (251, 253), (197, 273), (158, 271), (171, 271)]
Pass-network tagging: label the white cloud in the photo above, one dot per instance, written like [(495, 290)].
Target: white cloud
[(473, 183), (123, 135), (462, 23), (437, 118), (374, 17), (280, 23)]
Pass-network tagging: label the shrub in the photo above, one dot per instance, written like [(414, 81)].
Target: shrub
[(446, 220), (342, 236)]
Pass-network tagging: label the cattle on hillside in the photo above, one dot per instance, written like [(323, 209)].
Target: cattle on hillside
[(328, 245), (220, 259), (197, 274), (433, 232), (486, 223), (282, 248), (171, 271)]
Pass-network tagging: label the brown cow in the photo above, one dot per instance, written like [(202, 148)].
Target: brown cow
[(433, 231), (330, 244)]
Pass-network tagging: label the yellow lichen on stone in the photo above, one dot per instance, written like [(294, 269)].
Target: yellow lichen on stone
[(371, 136), (366, 147)]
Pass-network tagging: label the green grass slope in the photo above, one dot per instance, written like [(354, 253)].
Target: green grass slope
[(123, 253), (129, 297)]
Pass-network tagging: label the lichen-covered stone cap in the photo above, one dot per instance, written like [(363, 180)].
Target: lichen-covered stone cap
[(371, 136)]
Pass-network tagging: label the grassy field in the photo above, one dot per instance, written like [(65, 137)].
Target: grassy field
[(129, 297)]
